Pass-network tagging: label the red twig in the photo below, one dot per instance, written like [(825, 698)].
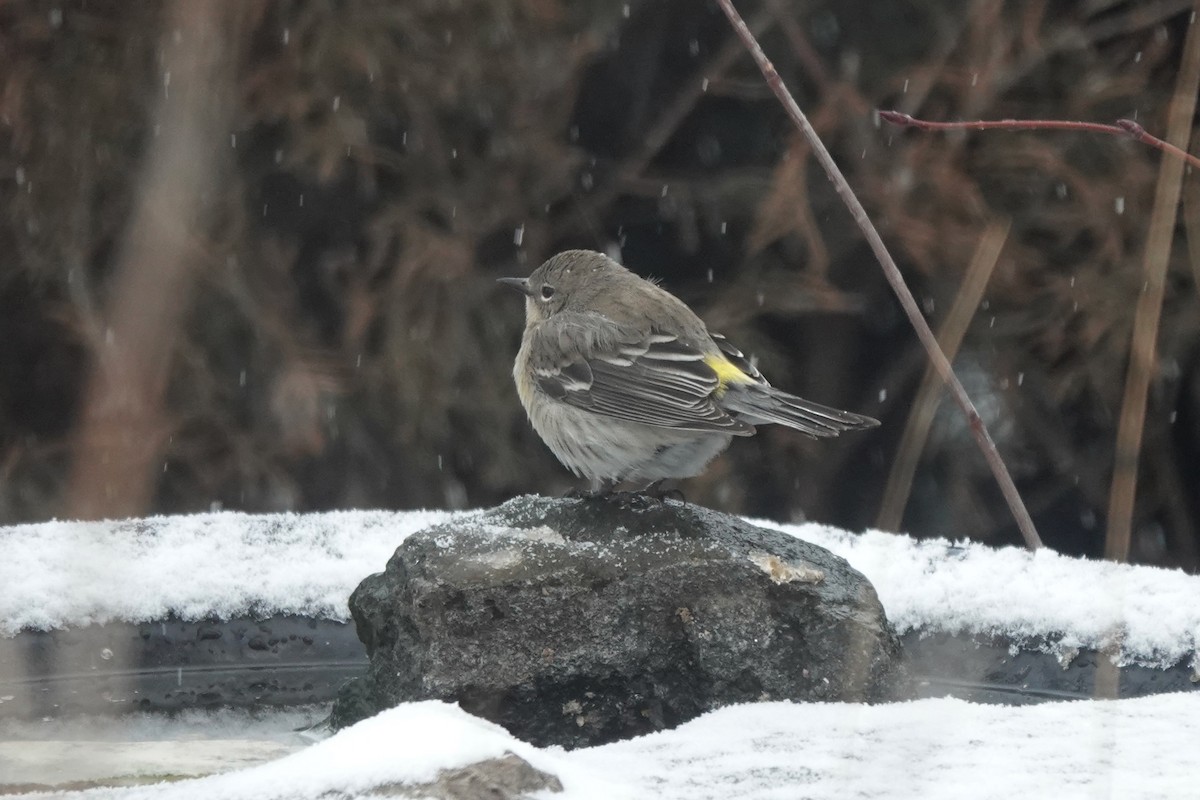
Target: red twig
[(892, 273), (1123, 127)]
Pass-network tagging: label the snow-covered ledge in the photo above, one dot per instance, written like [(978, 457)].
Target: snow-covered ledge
[(69, 576), (1143, 616), (60, 575)]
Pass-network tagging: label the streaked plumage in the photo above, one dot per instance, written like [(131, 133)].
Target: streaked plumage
[(624, 382)]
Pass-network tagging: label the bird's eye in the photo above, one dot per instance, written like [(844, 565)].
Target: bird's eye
[(547, 292)]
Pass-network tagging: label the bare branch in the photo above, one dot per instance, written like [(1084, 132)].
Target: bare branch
[(892, 273), (925, 404), (1123, 127), (1149, 306)]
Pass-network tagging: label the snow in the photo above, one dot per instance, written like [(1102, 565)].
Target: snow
[(408, 744), (1147, 615), (929, 749), (62, 574), (65, 574)]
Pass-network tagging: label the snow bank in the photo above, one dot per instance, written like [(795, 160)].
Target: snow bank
[(63, 574), (1149, 616), (930, 749)]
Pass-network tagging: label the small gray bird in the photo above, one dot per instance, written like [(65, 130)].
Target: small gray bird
[(624, 382)]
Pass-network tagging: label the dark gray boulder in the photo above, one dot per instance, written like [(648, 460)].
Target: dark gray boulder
[(579, 622)]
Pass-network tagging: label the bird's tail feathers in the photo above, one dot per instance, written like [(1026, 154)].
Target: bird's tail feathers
[(758, 405)]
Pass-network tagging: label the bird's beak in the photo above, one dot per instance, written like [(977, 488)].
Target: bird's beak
[(520, 284)]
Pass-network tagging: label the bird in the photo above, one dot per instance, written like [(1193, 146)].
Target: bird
[(624, 382)]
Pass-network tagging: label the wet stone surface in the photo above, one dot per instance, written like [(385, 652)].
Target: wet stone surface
[(578, 622)]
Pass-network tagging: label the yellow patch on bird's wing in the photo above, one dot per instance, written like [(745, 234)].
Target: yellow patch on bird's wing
[(727, 371)]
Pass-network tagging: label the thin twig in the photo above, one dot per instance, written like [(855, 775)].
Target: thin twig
[(1126, 128), (892, 273), (1149, 306), (925, 404)]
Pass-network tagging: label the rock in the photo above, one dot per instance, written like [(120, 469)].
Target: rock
[(506, 778), (579, 622)]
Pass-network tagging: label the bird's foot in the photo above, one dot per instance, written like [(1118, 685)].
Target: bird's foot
[(656, 491), (598, 491)]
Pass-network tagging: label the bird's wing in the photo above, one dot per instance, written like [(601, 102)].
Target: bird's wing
[(593, 363), (738, 358), (757, 402)]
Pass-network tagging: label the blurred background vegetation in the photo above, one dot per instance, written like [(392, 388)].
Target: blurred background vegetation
[(249, 248)]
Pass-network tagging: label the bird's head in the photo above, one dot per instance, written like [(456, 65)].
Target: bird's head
[(573, 280)]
